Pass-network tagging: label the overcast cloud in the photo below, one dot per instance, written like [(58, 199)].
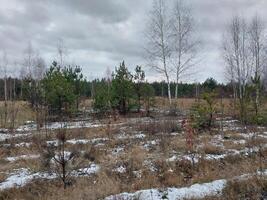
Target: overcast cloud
[(101, 33)]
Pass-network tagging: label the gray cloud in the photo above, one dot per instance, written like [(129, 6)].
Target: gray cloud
[(101, 33)]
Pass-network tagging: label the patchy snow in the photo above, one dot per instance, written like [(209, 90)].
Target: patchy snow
[(123, 136), (150, 165), (22, 144), (196, 157), (78, 141), (52, 143), (5, 136), (138, 136), (194, 191), (175, 133), (138, 173), (85, 141), (117, 150), (98, 140), (121, 169), (57, 125), (15, 158), (3, 130), (148, 145), (172, 159), (239, 141), (21, 177), (247, 135), (215, 157), (92, 169)]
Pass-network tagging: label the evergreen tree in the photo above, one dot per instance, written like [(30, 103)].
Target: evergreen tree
[(139, 77), (147, 93), (122, 89), (58, 90)]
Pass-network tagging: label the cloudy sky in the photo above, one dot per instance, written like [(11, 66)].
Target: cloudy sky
[(101, 33)]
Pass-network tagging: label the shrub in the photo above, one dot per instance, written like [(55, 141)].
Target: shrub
[(203, 114)]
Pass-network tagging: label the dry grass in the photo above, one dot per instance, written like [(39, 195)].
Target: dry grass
[(212, 149), (84, 188), (23, 112), (230, 144), (253, 189), (138, 175)]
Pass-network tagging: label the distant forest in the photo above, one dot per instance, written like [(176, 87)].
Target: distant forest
[(18, 88)]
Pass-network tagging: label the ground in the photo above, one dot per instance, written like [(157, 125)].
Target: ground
[(137, 157)]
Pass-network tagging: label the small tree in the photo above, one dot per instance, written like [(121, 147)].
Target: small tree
[(63, 163), (102, 98), (122, 88), (147, 92), (203, 114), (211, 101), (210, 85), (75, 77), (189, 138), (58, 90), (139, 77)]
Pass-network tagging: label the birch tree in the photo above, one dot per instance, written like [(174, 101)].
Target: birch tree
[(158, 35), (29, 60), (4, 69), (62, 51), (236, 55), (39, 68), (185, 45), (258, 53)]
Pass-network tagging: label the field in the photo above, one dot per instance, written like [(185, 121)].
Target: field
[(137, 157)]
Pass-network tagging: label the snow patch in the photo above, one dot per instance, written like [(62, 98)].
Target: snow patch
[(15, 158), (194, 191)]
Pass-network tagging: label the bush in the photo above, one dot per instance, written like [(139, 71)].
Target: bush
[(203, 114), (247, 189), (259, 119)]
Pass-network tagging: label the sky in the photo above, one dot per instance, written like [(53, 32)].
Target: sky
[(99, 34)]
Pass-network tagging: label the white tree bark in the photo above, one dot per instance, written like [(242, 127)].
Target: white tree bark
[(185, 45), (237, 57), (158, 35), (257, 49)]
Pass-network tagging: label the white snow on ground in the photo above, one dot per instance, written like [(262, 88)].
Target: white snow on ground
[(19, 178), (117, 150), (92, 169), (52, 143), (121, 169), (123, 136), (31, 126), (78, 141), (3, 130), (150, 165), (23, 176), (58, 125), (194, 191), (138, 136), (22, 144), (229, 152), (5, 136), (149, 144), (15, 158), (97, 140), (239, 141)]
